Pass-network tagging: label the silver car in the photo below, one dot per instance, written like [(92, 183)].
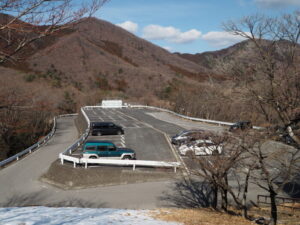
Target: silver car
[(186, 136), (201, 147)]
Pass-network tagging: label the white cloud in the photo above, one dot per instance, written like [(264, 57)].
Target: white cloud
[(171, 34), (277, 3), (168, 48), (221, 39), (129, 26)]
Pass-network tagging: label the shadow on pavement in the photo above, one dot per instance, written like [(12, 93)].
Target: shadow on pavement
[(292, 189), (189, 194), (77, 203), (39, 199)]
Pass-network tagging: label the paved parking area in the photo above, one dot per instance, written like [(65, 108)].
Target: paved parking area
[(112, 115), (145, 130), (142, 136), (20, 183)]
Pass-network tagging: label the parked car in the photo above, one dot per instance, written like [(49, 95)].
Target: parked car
[(106, 149), (241, 125), (105, 128), (201, 147), (186, 136)]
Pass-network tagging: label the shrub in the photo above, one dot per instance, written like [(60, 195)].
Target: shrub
[(29, 77)]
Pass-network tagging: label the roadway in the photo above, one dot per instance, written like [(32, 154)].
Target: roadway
[(20, 183)]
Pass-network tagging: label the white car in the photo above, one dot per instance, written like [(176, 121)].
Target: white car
[(201, 147)]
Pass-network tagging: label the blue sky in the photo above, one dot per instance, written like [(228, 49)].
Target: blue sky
[(188, 26)]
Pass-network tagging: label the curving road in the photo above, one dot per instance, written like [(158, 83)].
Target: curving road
[(20, 184)]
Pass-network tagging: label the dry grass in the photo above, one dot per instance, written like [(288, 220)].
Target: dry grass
[(286, 216), (199, 217), (210, 217)]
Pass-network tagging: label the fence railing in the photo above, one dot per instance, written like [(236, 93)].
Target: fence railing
[(35, 146), (83, 137), (133, 163), (66, 155), (292, 203), (187, 117)]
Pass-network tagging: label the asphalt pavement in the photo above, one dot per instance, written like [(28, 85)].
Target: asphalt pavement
[(20, 183)]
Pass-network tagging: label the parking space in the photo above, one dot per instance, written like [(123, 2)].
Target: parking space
[(112, 115), (148, 142), (145, 131)]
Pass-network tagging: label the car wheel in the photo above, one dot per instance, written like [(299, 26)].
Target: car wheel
[(99, 133), (93, 157), (126, 157), (119, 133), (215, 152)]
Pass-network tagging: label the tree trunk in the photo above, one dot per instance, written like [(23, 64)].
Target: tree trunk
[(244, 201), (224, 199), (215, 198), (224, 195), (273, 207)]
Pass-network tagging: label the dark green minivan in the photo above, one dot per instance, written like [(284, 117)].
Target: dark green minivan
[(106, 149)]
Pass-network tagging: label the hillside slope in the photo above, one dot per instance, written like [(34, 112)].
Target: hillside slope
[(101, 55), (213, 60), (96, 58)]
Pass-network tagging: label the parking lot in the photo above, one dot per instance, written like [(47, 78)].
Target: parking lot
[(148, 132), (143, 133)]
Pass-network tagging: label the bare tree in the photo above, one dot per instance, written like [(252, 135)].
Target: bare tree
[(30, 20), (217, 169), (270, 77), (22, 120), (271, 74), (275, 166)]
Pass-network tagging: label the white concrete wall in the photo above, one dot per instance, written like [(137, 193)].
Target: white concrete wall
[(112, 103)]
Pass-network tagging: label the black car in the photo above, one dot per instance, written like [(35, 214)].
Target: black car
[(241, 125), (105, 128)]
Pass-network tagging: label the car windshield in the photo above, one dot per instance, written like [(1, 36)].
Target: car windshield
[(181, 133)]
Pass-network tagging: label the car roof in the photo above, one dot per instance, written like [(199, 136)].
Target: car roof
[(190, 131), (203, 141), (101, 123), (98, 141)]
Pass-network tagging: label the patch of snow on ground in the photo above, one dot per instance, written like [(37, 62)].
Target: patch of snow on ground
[(76, 216)]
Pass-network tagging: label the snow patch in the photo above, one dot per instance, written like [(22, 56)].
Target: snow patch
[(76, 216)]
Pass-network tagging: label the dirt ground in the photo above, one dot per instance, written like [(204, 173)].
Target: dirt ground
[(210, 217), (67, 177)]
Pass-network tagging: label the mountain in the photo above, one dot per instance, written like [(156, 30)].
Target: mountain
[(211, 60), (243, 52), (96, 56)]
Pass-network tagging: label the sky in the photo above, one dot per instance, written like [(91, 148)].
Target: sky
[(188, 26)]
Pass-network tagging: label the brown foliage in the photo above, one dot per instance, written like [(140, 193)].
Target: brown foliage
[(36, 19)]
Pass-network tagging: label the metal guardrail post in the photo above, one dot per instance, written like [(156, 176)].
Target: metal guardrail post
[(85, 161), (36, 145)]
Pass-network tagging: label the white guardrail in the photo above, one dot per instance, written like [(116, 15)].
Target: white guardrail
[(176, 114), (188, 117), (132, 163), (64, 157), (36, 145)]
